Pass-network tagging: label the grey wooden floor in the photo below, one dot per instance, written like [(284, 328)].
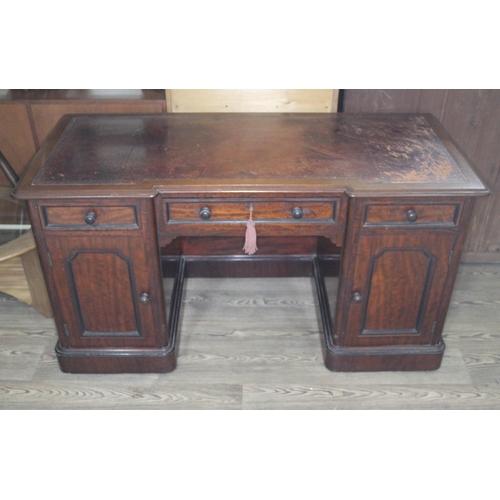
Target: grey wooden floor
[(256, 344)]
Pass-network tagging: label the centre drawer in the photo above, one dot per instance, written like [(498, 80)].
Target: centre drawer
[(206, 211), (228, 217)]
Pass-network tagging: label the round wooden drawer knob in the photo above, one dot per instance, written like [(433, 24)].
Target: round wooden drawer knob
[(411, 215), (205, 213), (90, 218)]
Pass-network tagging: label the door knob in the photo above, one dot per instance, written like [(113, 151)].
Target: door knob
[(357, 297), (297, 213), (144, 298)]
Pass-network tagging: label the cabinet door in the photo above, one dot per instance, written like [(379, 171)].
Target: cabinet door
[(107, 292), (396, 287)]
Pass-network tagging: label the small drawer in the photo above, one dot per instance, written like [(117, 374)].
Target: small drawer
[(412, 214), (87, 217), (207, 211)]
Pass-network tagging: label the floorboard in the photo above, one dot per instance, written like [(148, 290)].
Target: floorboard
[(256, 344)]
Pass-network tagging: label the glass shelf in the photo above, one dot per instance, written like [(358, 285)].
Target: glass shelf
[(14, 219)]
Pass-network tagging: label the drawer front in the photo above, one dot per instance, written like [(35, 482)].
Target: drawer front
[(226, 217), (207, 211), (89, 216), (412, 215)]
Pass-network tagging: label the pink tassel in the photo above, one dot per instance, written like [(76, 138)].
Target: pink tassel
[(250, 246)]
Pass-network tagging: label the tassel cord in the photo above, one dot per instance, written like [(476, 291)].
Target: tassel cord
[(250, 246)]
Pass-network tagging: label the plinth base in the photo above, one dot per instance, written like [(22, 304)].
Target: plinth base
[(117, 361), (397, 358)]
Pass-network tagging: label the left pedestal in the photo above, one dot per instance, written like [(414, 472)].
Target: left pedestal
[(102, 267)]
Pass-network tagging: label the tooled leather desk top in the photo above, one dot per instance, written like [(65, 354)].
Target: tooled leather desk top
[(332, 150)]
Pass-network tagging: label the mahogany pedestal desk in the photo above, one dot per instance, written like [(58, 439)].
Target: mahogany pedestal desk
[(119, 202)]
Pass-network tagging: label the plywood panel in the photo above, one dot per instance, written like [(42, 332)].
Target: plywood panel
[(471, 118), (396, 101), (381, 101), (491, 230), (252, 100), (433, 101)]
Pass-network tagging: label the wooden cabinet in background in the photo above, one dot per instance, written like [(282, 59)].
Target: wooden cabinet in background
[(16, 137)]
